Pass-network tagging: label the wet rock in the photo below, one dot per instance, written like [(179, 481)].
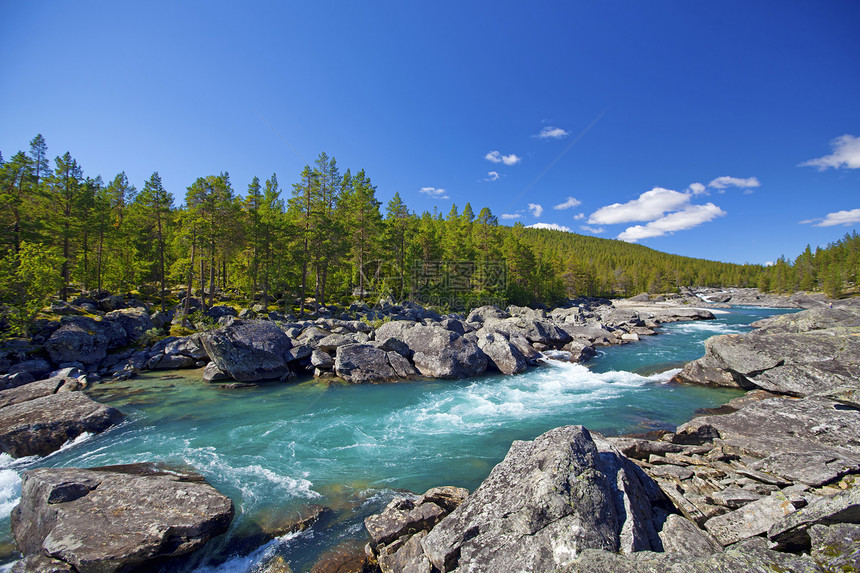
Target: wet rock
[(42, 425), (211, 373), (249, 350), (322, 360), (402, 367), (116, 518)]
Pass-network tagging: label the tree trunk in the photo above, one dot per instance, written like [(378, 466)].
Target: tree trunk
[(188, 289)]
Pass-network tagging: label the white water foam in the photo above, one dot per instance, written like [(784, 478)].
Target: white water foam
[(10, 482), (703, 326), (250, 562), (485, 405)]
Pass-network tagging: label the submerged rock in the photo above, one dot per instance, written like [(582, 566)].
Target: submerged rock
[(116, 518)]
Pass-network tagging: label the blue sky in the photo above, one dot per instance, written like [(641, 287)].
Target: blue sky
[(728, 131)]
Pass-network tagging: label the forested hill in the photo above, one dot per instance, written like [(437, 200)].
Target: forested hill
[(325, 238)]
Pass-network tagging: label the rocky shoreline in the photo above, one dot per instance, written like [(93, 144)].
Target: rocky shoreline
[(772, 483), (40, 413)]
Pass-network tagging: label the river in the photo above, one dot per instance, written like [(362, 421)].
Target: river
[(277, 449)]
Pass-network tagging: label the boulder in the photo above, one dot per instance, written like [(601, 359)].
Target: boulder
[(440, 353), (38, 368), (546, 502), (681, 536), (42, 425), (116, 518), (79, 341), (482, 313), (68, 379), (837, 547), (359, 363), (249, 350), (133, 321), (501, 354)]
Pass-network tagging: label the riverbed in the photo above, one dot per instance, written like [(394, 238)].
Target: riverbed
[(278, 450)]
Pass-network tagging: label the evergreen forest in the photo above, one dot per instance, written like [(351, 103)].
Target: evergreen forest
[(323, 239)]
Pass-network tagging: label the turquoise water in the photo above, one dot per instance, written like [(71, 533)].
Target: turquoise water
[(278, 449)]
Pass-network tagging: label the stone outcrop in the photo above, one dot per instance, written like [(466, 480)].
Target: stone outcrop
[(114, 518), (357, 363), (539, 508), (813, 352), (39, 417), (249, 350)]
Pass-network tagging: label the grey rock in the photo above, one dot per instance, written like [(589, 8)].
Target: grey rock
[(671, 471), (78, 341), (330, 343), (791, 532), (249, 350), (735, 497), (482, 313), (402, 367), (173, 362), (220, 311), (641, 449), (40, 388), (752, 519), (42, 425), (14, 380), (406, 558), (682, 536), (38, 368), (134, 321), (322, 360), (837, 547), (402, 516), (501, 354), (191, 346), (536, 330), (211, 373), (540, 507), (821, 436), (438, 353), (116, 518), (359, 363)]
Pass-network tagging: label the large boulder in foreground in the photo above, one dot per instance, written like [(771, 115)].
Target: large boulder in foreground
[(115, 518), (249, 350), (42, 425), (545, 503)]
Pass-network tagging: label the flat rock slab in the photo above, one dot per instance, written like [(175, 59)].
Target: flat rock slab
[(811, 440), (117, 517), (752, 519), (791, 532), (41, 426)]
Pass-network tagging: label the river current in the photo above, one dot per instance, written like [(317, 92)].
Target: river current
[(280, 449)]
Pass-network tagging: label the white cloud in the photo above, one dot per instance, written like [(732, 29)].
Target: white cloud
[(691, 216), (568, 204), (551, 226), (726, 181), (846, 153), (536, 209), (593, 230), (549, 132), (511, 215), (697, 189), (650, 205), (434, 192), (846, 218), (492, 176), (496, 157), (579, 217), (769, 263)]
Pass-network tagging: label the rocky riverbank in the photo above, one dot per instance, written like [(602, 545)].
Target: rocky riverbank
[(770, 483), (409, 341)]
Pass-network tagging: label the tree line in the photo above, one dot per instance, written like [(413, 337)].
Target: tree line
[(325, 238)]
